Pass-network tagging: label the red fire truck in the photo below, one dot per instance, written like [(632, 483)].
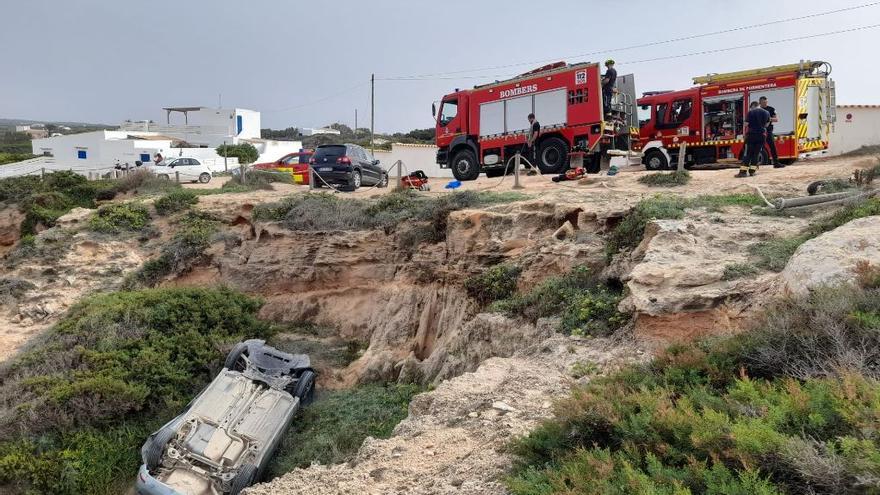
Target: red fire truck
[(480, 129), (708, 118)]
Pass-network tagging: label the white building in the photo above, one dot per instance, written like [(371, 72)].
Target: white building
[(857, 126), (201, 131), (323, 130)]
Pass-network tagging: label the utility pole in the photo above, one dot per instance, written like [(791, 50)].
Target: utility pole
[(355, 122), (372, 111)]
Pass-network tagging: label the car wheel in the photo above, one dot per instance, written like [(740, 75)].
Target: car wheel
[(205, 177), (552, 155), (154, 448), (305, 387), (356, 179), (164, 177), (234, 360), (246, 476), (384, 181), (655, 160), (465, 166)]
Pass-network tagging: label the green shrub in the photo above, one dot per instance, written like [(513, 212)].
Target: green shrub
[(14, 157), (498, 282), (738, 270), (76, 406), (331, 430), (585, 304), (175, 201), (142, 181), (256, 180), (325, 212), (664, 179), (788, 408), (193, 235), (122, 217)]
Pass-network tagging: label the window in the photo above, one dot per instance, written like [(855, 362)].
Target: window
[(681, 110), (449, 112), (644, 115), (145, 157), (304, 157), (82, 154), (290, 160), (660, 115)]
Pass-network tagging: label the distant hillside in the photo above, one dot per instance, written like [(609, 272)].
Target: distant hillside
[(6, 124)]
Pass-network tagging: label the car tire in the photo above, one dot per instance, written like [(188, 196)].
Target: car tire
[(356, 180), (247, 475), (164, 177), (655, 160), (155, 447), (383, 182), (204, 177), (465, 166), (305, 387), (594, 163), (494, 173), (233, 359), (552, 155)]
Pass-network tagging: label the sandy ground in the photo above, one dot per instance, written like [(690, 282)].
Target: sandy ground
[(791, 180)]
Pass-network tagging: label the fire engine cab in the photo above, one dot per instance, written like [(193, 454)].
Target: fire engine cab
[(481, 129), (707, 120)]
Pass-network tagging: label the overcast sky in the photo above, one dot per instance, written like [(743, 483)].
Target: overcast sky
[(308, 64)]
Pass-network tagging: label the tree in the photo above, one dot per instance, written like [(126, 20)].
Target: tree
[(245, 152)]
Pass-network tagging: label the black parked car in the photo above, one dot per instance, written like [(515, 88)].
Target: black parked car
[(347, 165)]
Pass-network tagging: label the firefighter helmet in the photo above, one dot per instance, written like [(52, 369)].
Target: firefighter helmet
[(610, 61)]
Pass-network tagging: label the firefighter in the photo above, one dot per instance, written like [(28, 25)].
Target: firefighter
[(771, 142), (609, 81), (756, 133), (529, 151)]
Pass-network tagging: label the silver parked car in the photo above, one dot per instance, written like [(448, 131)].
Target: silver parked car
[(224, 439)]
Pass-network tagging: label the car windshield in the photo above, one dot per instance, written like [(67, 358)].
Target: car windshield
[(329, 153)]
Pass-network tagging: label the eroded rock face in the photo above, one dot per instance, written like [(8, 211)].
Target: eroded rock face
[(10, 228), (408, 305), (675, 276), (833, 257)]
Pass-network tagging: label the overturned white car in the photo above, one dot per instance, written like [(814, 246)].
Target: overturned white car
[(224, 439)]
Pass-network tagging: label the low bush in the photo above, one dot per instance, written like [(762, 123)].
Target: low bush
[(256, 180), (331, 430), (666, 179), (11, 289), (194, 233), (175, 202), (498, 282), (585, 305), (788, 408), (326, 212), (6, 158), (739, 270), (76, 406), (142, 181), (121, 217)]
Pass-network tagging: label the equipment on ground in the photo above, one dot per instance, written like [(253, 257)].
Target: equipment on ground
[(709, 118), (479, 129), (416, 180)]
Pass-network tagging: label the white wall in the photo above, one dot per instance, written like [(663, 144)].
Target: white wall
[(271, 150), (862, 129), (416, 157)]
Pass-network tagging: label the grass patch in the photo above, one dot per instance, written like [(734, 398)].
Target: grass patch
[(739, 270), (498, 282), (666, 179), (76, 406), (6, 158), (326, 212), (788, 408), (194, 233), (175, 201), (144, 182), (585, 305), (118, 218), (774, 254), (331, 430)]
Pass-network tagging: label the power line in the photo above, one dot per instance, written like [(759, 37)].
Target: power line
[(681, 55), (642, 45), (319, 100)]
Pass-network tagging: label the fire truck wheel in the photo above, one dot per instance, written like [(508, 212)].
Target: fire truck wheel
[(654, 160), (552, 155), (464, 165)]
